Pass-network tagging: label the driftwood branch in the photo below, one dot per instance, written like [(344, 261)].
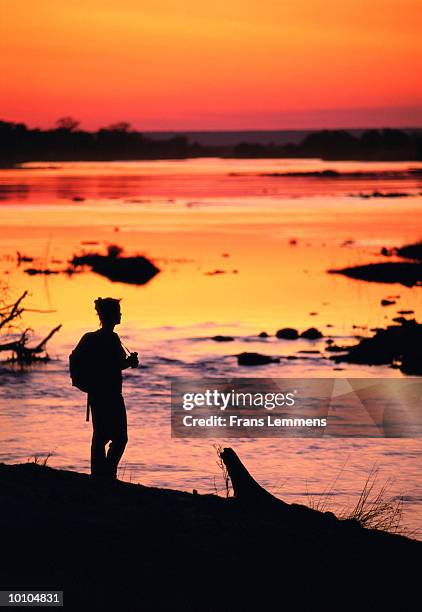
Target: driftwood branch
[(41, 345), (10, 346), (15, 311), (16, 345), (23, 353), (253, 497), (245, 487)]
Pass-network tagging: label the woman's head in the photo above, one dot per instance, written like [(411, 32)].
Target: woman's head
[(108, 310)]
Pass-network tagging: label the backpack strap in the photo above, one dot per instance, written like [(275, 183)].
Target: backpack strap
[(87, 407)]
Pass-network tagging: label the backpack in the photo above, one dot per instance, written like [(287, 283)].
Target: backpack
[(78, 371), (79, 374)]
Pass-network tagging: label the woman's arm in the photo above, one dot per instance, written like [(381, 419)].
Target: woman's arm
[(131, 362)]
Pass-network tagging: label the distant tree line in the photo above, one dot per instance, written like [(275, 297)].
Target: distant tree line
[(67, 142), (375, 145), (118, 141)]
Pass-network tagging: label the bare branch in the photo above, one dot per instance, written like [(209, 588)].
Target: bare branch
[(15, 311), (40, 346), (21, 353)]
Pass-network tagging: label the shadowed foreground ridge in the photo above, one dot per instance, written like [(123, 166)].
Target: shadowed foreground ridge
[(136, 547)]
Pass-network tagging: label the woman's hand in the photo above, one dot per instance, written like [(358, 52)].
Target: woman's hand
[(132, 360)]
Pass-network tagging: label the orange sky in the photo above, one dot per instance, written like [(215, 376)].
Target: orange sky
[(220, 64)]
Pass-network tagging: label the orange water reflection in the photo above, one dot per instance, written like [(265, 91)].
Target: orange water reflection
[(171, 319)]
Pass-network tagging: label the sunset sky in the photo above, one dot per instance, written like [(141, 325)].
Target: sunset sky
[(225, 64)]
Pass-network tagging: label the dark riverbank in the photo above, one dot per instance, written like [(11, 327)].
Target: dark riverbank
[(67, 142), (131, 547)]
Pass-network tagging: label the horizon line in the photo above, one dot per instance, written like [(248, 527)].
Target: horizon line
[(223, 130)]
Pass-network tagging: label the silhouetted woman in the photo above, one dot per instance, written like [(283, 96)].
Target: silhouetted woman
[(105, 359)]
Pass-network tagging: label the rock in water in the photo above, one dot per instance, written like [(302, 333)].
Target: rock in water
[(311, 334), (287, 333), (255, 359), (411, 251), (397, 344), (136, 270), (407, 274)]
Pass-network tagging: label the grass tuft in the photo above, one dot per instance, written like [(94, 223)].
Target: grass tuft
[(39, 459), (227, 485), (376, 508)]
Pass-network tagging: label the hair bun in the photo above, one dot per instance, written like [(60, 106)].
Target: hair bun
[(104, 305)]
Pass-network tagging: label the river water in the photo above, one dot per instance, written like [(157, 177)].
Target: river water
[(242, 248)]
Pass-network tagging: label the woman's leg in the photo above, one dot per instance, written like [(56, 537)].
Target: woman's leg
[(118, 438), (98, 456), (100, 437)]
